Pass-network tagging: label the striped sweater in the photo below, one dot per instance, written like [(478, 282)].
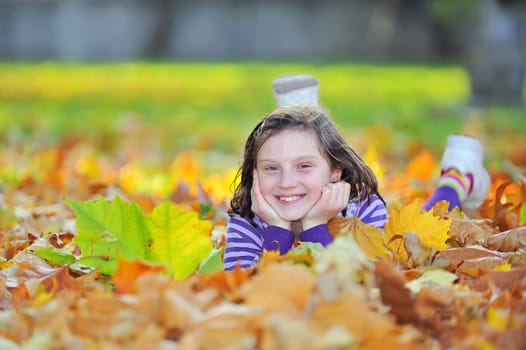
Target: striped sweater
[(245, 242)]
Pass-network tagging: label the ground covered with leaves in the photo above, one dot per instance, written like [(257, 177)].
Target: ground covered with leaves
[(89, 261), (110, 243)]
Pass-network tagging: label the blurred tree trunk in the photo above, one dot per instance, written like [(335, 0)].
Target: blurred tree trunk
[(495, 58), (158, 45)]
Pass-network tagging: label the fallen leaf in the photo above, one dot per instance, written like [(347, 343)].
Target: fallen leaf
[(278, 288), (433, 278), (457, 255), (467, 232), (475, 267), (431, 230), (508, 241), (225, 282), (421, 167), (369, 238), (129, 271), (110, 229), (416, 253), (500, 279), (393, 291), (508, 201), (179, 238)]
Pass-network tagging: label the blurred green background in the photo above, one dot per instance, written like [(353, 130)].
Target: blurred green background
[(213, 106)]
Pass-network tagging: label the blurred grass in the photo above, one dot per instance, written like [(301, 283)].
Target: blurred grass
[(202, 106)]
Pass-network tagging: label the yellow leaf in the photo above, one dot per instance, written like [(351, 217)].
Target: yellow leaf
[(43, 297), (432, 278), (180, 238), (369, 238), (503, 267), (497, 318), (371, 158), (431, 230)]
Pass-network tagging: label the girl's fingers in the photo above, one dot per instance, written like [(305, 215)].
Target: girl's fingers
[(337, 194)]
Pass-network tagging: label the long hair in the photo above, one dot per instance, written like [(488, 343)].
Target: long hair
[(332, 145)]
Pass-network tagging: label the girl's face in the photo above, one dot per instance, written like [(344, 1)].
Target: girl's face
[(292, 172)]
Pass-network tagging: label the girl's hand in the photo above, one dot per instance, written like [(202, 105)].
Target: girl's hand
[(261, 208), (334, 198)]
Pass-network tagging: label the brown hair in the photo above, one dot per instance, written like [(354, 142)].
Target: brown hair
[(333, 146)]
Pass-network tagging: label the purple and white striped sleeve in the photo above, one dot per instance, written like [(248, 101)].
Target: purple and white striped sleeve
[(244, 243), (373, 213)]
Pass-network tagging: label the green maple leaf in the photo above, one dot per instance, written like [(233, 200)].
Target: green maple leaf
[(55, 255), (213, 262), (180, 239), (111, 230)]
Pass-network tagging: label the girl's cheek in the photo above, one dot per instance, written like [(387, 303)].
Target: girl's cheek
[(265, 186)]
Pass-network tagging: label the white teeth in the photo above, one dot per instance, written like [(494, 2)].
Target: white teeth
[(289, 199)]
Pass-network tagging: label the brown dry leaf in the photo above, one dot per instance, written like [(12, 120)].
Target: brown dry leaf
[(456, 256), (61, 280), (225, 330), (393, 292), (282, 332), (508, 241), (406, 340), (500, 279), (129, 271), (416, 253), (475, 267), (369, 238), (467, 232), (16, 326), (278, 288), (432, 308), (328, 313), (18, 296), (175, 304), (104, 316), (429, 310)]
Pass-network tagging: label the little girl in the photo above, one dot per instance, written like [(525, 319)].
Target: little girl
[(297, 173)]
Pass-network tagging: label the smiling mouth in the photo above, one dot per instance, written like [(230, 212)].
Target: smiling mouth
[(290, 199)]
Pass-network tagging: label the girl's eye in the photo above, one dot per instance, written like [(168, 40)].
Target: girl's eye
[(270, 168), (304, 166)]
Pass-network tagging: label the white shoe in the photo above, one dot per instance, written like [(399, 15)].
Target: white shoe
[(295, 89), (465, 153)]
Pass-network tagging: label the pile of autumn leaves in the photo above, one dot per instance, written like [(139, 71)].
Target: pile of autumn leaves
[(431, 280)]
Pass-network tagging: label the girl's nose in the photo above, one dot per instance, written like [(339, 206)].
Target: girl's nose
[(288, 179)]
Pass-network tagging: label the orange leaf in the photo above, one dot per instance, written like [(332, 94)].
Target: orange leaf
[(270, 257), (225, 281), (507, 205), (129, 271), (279, 288), (421, 167)]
